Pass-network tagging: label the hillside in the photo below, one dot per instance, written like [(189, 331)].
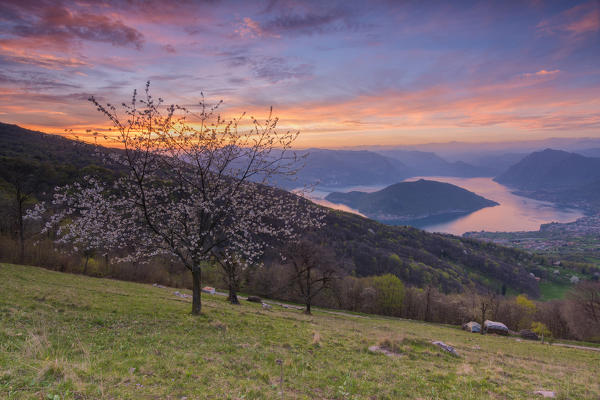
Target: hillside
[(419, 258), (551, 170), (39, 161), (71, 337), (42, 147), (569, 179), (406, 201), (365, 247)]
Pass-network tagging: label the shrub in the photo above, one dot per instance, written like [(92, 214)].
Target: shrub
[(541, 330)]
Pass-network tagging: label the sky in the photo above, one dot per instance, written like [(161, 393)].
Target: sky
[(343, 73)]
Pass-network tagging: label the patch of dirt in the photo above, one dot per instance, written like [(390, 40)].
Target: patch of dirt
[(379, 349), (573, 346), (465, 369)]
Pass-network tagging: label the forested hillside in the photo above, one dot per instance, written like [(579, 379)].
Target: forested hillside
[(39, 162), (362, 247), (420, 258)]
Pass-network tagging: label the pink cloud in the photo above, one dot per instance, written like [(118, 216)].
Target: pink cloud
[(576, 21), (250, 29), (588, 23)]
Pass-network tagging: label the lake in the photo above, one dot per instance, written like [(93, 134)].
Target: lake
[(515, 213)]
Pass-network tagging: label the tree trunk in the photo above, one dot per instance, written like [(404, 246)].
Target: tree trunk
[(232, 298), (232, 284), (20, 201), (483, 309), (196, 300), (87, 258), (427, 304), (308, 295)]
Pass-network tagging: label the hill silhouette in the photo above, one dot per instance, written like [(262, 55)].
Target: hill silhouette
[(406, 201)]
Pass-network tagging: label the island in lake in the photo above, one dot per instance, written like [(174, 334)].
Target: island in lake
[(406, 202)]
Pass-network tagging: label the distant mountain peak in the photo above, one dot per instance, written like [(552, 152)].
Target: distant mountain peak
[(551, 169)]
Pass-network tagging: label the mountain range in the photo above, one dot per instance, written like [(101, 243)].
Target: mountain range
[(421, 163), (338, 168), (343, 168)]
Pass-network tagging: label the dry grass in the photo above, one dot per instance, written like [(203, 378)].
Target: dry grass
[(316, 340)]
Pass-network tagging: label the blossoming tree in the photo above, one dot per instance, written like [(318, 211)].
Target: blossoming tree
[(193, 186)]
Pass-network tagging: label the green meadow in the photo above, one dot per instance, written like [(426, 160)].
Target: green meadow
[(67, 336)]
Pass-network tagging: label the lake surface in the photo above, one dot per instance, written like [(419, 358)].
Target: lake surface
[(515, 213)]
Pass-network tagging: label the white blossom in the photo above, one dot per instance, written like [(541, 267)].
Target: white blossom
[(188, 191)]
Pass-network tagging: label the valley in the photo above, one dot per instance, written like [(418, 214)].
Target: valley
[(577, 242), (514, 213)]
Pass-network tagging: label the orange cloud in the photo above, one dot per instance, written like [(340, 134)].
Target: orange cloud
[(542, 72), (16, 54)]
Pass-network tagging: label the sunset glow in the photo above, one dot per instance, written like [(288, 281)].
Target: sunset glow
[(342, 73)]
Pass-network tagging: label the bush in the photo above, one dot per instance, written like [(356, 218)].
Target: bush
[(389, 294), (541, 330)]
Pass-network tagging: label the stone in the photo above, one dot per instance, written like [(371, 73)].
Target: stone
[(182, 295), (495, 327), (545, 393), (266, 306), (445, 347), (472, 327), (254, 299), (528, 334)]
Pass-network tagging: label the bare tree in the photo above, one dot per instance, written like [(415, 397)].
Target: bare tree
[(488, 302), (587, 297), (194, 187), (430, 296), (313, 269), (582, 310), (22, 177)]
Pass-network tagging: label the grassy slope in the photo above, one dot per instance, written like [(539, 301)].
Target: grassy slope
[(553, 290), (79, 337)]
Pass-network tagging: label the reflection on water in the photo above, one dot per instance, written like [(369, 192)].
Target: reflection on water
[(515, 213)]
